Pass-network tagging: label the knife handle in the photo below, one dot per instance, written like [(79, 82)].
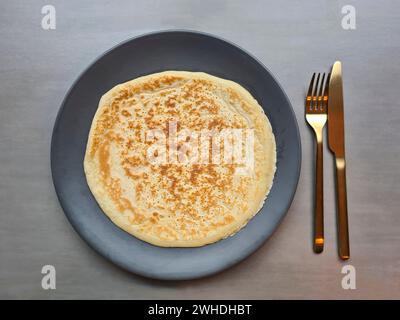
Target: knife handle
[(319, 199), (343, 228)]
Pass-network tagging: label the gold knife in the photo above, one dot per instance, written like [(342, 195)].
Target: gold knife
[(336, 145)]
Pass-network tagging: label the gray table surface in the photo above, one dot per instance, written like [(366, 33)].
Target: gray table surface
[(292, 38)]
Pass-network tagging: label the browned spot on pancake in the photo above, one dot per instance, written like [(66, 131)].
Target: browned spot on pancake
[(126, 113), (139, 188), (103, 160)]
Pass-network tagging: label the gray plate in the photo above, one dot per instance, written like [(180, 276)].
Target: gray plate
[(169, 50)]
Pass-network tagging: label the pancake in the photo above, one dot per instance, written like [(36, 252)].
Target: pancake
[(180, 159)]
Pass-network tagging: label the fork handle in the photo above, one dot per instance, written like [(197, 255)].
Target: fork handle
[(341, 192), (319, 198)]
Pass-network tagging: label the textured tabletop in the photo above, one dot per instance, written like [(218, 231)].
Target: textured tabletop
[(293, 39)]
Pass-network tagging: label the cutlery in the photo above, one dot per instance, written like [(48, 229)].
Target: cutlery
[(316, 116), (336, 145)]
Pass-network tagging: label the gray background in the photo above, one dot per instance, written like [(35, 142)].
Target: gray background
[(293, 39)]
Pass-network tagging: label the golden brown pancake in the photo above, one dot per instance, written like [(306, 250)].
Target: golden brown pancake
[(188, 198)]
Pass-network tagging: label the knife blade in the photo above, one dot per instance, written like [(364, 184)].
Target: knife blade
[(335, 111), (336, 145)]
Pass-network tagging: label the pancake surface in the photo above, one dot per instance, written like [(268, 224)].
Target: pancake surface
[(187, 200)]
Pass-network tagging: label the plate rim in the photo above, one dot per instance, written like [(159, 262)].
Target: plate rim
[(61, 110)]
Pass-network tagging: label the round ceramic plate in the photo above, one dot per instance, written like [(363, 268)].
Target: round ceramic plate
[(155, 52)]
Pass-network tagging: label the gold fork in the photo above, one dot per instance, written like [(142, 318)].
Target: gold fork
[(316, 116)]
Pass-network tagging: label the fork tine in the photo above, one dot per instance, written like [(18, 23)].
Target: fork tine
[(309, 94), (326, 92), (319, 98), (314, 97)]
